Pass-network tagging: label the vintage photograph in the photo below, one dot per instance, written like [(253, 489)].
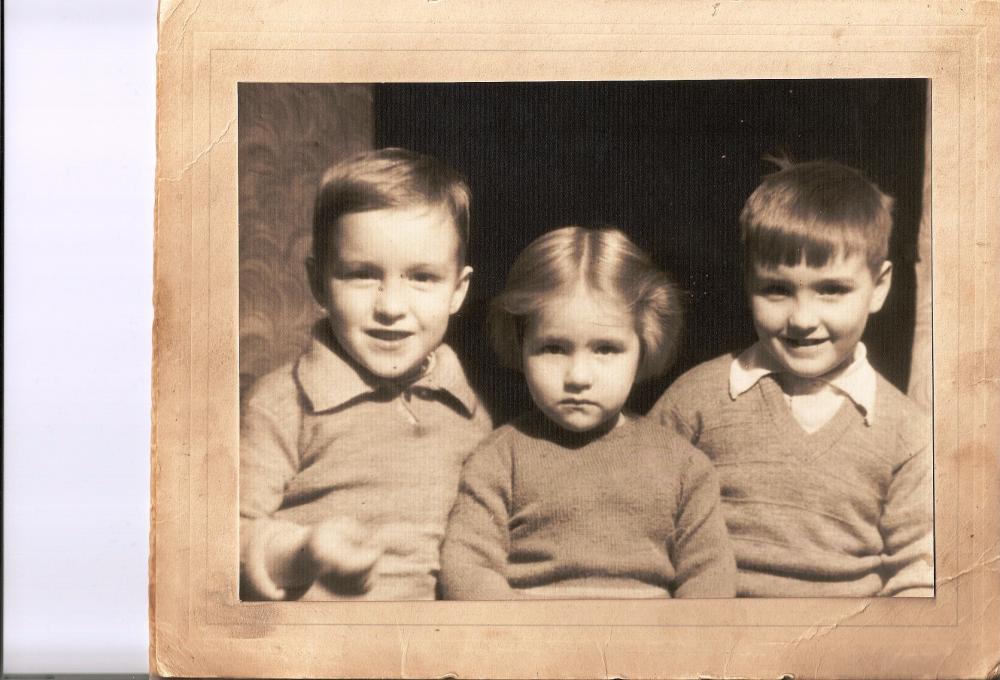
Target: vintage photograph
[(580, 340), (575, 340)]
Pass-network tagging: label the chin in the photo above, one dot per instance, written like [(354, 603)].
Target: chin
[(810, 371), (387, 369)]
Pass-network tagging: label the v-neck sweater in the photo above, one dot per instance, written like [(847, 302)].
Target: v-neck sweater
[(844, 511), (543, 513)]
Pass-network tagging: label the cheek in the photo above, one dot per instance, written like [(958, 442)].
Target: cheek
[(766, 315), (539, 372), (348, 305), (625, 373), (433, 308), (849, 319)]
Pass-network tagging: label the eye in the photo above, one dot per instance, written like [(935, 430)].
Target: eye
[(425, 277), (608, 348), (834, 289), (774, 290), (551, 348)]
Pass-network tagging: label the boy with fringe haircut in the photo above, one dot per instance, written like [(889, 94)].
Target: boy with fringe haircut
[(825, 467), (350, 456)]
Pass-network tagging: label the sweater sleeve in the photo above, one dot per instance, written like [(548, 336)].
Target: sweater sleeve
[(701, 552), (477, 542), (907, 528), (268, 461), (676, 412)]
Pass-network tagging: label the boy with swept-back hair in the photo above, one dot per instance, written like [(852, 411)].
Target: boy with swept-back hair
[(824, 466), (350, 456)]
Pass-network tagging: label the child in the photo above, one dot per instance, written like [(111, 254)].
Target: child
[(350, 456), (825, 467), (576, 499)]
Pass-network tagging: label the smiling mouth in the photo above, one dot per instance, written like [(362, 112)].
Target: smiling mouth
[(387, 335), (803, 342)]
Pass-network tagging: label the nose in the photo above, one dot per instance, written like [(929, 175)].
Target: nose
[(803, 318), (579, 374), (390, 305)]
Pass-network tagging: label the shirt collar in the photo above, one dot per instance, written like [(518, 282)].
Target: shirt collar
[(330, 378), (856, 379)]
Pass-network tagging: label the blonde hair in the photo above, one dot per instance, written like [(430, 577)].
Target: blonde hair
[(817, 211), (607, 262)]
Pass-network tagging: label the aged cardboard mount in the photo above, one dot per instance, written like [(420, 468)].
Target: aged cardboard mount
[(198, 625)]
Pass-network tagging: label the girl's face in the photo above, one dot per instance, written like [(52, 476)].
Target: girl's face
[(580, 356)]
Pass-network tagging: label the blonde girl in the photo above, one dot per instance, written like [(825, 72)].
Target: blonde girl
[(577, 498)]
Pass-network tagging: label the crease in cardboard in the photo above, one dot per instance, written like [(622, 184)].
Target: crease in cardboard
[(980, 564), (201, 154), (404, 648), (165, 20), (184, 26), (167, 7)]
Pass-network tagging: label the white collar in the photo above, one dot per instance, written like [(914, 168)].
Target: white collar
[(856, 378)]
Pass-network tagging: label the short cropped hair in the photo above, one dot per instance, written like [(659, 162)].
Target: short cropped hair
[(607, 262), (388, 178), (817, 210)]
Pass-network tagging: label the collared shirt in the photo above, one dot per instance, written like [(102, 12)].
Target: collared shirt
[(813, 402), (330, 378), (322, 439)]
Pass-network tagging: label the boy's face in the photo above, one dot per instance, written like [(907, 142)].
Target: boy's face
[(580, 355), (811, 318), (390, 284)]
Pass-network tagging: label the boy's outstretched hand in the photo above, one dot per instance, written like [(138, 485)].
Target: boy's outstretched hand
[(342, 547), (338, 547)]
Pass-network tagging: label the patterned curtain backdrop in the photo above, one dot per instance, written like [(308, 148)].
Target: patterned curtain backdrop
[(921, 387), (288, 135)]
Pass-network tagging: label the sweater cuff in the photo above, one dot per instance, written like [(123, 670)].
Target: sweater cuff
[(261, 533)]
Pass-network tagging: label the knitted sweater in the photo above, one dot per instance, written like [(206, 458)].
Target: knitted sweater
[(844, 511), (544, 513), (320, 439)]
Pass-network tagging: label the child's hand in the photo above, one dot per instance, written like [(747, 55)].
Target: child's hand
[(295, 556), (341, 547)]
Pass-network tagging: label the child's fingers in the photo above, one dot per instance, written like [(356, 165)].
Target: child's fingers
[(339, 546)]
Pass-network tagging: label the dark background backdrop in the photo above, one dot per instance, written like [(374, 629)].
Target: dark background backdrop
[(670, 163)]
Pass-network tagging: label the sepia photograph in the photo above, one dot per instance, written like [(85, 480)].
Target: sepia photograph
[(575, 341), (654, 291)]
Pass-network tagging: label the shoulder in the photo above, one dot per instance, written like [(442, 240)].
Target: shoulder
[(702, 385), (450, 374), (275, 392), (910, 422), (708, 376), (675, 452)]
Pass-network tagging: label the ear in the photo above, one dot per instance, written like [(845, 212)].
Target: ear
[(461, 289), (883, 282), (316, 283)]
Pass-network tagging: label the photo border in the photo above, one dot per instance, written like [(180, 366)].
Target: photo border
[(198, 625)]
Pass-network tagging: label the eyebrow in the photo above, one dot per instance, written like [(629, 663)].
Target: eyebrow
[(348, 262), (543, 339), (839, 281), (775, 278)]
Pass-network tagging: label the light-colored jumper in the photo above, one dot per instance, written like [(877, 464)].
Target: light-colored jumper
[(320, 438), (843, 512), (544, 513)]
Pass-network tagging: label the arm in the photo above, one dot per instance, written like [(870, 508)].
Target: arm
[(907, 529), (477, 542), (701, 551), (276, 555), (268, 461), (670, 412)]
